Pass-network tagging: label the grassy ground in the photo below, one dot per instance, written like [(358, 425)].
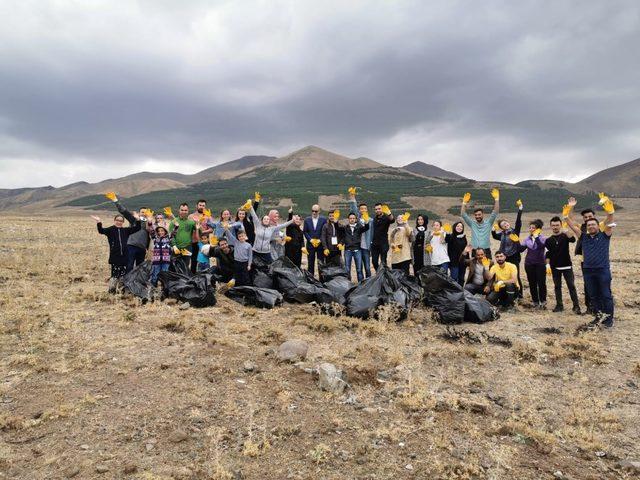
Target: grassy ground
[(96, 386)]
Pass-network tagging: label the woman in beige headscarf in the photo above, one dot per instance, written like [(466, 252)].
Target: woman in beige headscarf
[(400, 243)]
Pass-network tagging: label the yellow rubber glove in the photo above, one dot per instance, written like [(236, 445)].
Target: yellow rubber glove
[(519, 203), (548, 269), (466, 198), (436, 234), (231, 283), (365, 217), (536, 233), (168, 212), (150, 213), (498, 285), (185, 253), (486, 262), (565, 225), (602, 198), (395, 248), (336, 215), (352, 191), (326, 252), (257, 197), (566, 210), (386, 210), (514, 238), (111, 196), (315, 242), (447, 227), (287, 239), (601, 225), (213, 240), (207, 213), (176, 250), (340, 247), (428, 249), (495, 193), (406, 216), (305, 251), (496, 227), (247, 205), (608, 206)]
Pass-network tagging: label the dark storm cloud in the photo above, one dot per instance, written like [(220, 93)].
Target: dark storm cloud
[(549, 86)]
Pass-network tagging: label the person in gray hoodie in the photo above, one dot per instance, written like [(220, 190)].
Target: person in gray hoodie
[(264, 234)]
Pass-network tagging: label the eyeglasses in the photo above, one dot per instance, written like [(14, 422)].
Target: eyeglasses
[(315, 211)]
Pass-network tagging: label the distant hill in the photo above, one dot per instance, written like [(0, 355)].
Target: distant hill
[(313, 158), (428, 170), (622, 180)]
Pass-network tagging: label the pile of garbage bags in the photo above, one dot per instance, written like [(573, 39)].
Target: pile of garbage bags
[(452, 302), (198, 290)]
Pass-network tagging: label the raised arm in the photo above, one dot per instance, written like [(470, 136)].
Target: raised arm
[(518, 226), (567, 212), (254, 217)]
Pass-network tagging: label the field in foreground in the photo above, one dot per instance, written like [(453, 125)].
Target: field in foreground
[(95, 386)]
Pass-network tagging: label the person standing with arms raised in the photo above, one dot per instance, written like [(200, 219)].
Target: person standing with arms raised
[(382, 220), (481, 226), (362, 212)]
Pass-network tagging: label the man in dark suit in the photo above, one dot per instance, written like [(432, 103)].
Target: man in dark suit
[(312, 229)]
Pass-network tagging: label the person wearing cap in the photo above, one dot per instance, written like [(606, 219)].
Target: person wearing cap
[(161, 251)]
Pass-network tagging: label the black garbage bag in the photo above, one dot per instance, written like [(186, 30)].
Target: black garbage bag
[(443, 294), (411, 285), (478, 309), (262, 279), (259, 264), (137, 281), (286, 276), (339, 286), (198, 290), (308, 292), (329, 272), (258, 297), (178, 266), (383, 288)]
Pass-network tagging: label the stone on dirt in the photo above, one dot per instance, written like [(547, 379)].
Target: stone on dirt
[(331, 378), (293, 351)]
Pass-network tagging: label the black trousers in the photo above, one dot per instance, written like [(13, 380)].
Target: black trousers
[(315, 254), (334, 259), (404, 266), (241, 274), (515, 259), (295, 255), (194, 258), (537, 277), (587, 300), (505, 296), (379, 255), (571, 285)]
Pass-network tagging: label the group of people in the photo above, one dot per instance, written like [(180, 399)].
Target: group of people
[(190, 240)]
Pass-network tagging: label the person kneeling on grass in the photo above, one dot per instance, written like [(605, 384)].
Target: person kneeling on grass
[(503, 286), (161, 251), (242, 258), (222, 252), (478, 266), (117, 234)]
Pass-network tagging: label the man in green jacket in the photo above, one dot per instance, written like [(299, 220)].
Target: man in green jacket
[(182, 250), (480, 226)]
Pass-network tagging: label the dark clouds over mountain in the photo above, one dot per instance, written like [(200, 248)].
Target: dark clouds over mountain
[(502, 90)]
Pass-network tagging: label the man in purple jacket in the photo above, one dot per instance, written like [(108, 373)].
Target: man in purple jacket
[(535, 264)]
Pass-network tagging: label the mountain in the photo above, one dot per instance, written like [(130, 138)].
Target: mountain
[(428, 170), (622, 180), (314, 158)]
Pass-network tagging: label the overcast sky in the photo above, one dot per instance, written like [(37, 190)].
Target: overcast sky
[(492, 90)]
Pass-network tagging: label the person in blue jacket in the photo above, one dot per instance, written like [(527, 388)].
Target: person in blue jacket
[(362, 212), (312, 229)]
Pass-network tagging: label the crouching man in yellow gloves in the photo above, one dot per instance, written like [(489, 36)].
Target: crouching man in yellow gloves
[(503, 282)]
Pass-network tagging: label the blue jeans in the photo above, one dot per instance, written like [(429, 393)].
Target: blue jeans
[(155, 271), (203, 267), (457, 272), (356, 256), (443, 266), (366, 261), (135, 256), (598, 283)]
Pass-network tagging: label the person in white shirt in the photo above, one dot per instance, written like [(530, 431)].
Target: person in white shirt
[(439, 247)]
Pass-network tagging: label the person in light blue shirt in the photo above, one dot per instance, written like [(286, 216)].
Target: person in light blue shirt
[(480, 226), (365, 243)]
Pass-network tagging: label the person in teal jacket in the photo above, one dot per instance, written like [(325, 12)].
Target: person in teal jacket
[(480, 226)]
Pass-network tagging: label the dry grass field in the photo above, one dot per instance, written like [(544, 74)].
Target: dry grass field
[(99, 386)]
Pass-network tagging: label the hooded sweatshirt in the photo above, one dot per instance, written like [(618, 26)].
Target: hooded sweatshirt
[(262, 243), (400, 241)]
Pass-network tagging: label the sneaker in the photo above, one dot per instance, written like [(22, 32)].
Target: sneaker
[(542, 305), (558, 308), (607, 321), (577, 310)]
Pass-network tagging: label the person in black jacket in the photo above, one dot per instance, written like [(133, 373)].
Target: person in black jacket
[(559, 262), (247, 222), (380, 241), (352, 242), (509, 239), (587, 214), (223, 253), (332, 239), (294, 239), (117, 234), (455, 249)]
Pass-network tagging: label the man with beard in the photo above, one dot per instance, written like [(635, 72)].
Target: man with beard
[(503, 283), (559, 263), (480, 226), (382, 220)]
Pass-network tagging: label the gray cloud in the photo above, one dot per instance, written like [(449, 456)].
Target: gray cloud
[(498, 90)]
